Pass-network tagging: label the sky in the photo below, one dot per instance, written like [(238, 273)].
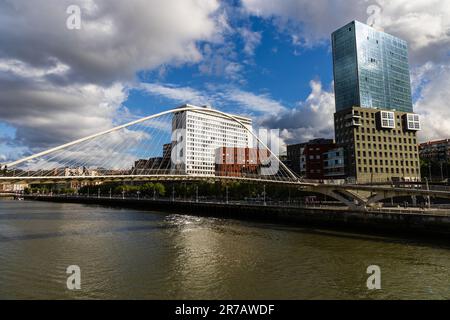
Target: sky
[(270, 60)]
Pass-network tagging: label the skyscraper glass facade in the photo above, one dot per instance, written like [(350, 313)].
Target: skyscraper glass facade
[(371, 69)]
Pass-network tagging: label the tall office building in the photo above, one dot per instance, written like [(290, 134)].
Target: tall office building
[(371, 68), (374, 116), (200, 133)]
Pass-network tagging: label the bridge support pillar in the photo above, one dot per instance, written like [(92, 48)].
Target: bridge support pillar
[(350, 199)]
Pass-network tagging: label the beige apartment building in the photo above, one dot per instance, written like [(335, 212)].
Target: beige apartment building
[(381, 145)]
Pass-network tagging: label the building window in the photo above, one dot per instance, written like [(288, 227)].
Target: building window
[(387, 120), (413, 122)]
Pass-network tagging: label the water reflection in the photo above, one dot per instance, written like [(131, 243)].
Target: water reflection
[(136, 254)]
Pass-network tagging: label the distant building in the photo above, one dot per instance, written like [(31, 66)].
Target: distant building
[(239, 162), (314, 158), (436, 151), (334, 164), (200, 133), (167, 150), (80, 172), (295, 158), (374, 117), (12, 188), (77, 172), (308, 159), (154, 165), (148, 166)]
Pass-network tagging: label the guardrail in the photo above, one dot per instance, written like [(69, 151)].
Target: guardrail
[(280, 204), (259, 202)]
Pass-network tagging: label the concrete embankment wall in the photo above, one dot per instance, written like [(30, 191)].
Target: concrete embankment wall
[(386, 222)]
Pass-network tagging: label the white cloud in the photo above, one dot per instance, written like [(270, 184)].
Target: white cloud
[(251, 40), (58, 84), (312, 118), (117, 37), (44, 114), (317, 18), (20, 69), (434, 104), (176, 93), (249, 101), (219, 96), (220, 61), (425, 24)]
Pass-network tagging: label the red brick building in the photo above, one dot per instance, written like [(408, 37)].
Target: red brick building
[(239, 162), (314, 156), (311, 159)]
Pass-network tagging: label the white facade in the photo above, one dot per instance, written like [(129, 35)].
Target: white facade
[(13, 187), (197, 134), (80, 172)]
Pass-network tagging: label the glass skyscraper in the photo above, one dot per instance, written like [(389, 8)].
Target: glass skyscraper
[(371, 69)]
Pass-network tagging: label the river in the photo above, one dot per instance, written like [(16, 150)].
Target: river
[(129, 254)]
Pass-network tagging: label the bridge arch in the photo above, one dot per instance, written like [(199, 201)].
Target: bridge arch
[(288, 174)]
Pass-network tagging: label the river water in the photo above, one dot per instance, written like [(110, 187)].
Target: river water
[(129, 254)]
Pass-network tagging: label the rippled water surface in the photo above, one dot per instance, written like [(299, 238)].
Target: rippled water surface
[(126, 254)]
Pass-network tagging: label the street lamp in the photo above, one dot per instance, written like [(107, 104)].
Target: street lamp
[(226, 188), (429, 169), (428, 197), (264, 194)]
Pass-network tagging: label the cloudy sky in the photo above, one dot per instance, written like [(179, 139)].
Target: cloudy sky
[(264, 58)]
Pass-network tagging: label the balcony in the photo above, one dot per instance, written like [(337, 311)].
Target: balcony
[(353, 123), (352, 116)]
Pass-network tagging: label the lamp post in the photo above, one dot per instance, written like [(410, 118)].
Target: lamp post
[(264, 194), (429, 169), (428, 197), (226, 188)]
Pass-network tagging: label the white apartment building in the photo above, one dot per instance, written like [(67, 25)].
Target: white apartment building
[(198, 133)]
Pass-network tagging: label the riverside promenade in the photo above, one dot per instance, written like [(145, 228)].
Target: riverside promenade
[(412, 222)]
